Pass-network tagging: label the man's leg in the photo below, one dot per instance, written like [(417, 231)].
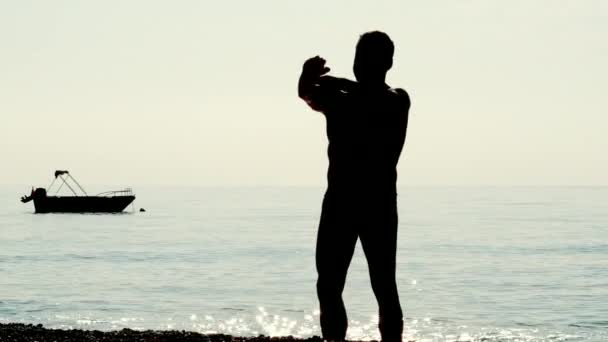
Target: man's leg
[(379, 241), (336, 242)]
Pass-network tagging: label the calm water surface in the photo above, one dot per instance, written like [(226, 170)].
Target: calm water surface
[(474, 264)]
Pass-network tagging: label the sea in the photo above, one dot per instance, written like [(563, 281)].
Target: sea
[(474, 264)]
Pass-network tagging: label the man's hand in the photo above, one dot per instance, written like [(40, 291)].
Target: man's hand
[(314, 67), (309, 88)]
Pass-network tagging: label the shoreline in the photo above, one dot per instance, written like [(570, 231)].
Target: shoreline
[(37, 332)]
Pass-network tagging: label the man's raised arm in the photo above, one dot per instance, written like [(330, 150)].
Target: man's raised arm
[(308, 86)]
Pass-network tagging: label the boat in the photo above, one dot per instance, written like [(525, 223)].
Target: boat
[(79, 201)]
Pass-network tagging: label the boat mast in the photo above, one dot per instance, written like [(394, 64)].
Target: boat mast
[(60, 174), (66, 183), (78, 184)]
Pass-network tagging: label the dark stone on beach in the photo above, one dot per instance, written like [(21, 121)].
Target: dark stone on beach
[(142, 210), (28, 332)]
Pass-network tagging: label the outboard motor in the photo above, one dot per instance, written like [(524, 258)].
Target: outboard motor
[(39, 193)]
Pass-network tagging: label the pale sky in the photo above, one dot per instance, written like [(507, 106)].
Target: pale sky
[(136, 92)]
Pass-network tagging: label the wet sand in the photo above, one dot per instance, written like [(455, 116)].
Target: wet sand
[(29, 332)]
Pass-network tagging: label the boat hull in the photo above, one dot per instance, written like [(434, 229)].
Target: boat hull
[(81, 204)]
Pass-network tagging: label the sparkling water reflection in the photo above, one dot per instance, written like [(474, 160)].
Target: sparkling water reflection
[(475, 264)]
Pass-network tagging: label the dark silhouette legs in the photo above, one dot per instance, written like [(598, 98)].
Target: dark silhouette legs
[(339, 228), (335, 246), (380, 246)]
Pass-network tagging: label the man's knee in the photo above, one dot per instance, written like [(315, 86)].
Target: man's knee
[(383, 279), (329, 287), (385, 290)]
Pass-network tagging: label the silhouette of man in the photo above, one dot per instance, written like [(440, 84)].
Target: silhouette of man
[(366, 126)]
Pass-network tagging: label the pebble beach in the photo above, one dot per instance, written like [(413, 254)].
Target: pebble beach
[(29, 332)]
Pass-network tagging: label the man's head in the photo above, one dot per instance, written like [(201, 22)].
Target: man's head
[(374, 57)]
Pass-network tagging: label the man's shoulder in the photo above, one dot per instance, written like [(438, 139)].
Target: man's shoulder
[(399, 92), (402, 95)]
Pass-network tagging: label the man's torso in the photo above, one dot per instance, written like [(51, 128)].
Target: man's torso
[(366, 130)]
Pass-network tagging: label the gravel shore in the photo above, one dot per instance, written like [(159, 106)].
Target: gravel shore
[(29, 332)]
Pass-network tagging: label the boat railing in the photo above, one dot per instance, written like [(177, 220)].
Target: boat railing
[(114, 193)]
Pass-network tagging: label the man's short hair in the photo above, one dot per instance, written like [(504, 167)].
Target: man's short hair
[(376, 47)]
